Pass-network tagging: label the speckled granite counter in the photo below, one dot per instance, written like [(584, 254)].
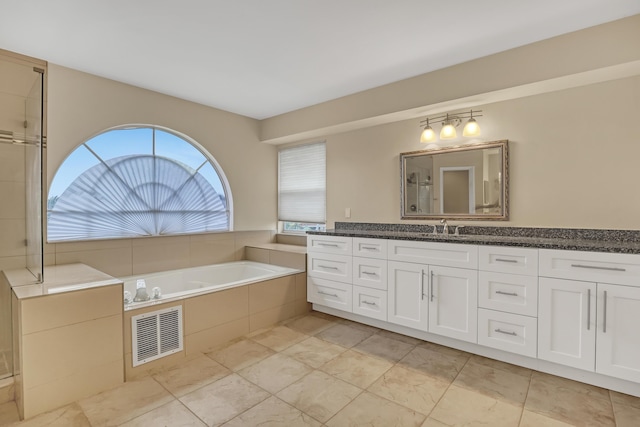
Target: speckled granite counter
[(616, 241)]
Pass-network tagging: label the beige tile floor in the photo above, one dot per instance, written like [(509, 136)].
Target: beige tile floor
[(319, 370)]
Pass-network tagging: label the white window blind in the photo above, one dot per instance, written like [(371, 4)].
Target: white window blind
[(302, 183)]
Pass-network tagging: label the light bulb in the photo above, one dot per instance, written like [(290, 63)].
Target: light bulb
[(448, 131), (428, 135), (471, 128)]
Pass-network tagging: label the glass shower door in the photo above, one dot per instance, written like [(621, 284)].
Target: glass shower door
[(33, 176)]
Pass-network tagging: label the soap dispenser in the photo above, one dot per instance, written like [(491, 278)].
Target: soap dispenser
[(141, 291)]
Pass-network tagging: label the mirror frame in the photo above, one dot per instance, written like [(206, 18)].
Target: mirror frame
[(504, 191)]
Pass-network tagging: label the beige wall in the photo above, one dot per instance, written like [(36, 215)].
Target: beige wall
[(82, 105), (574, 156)]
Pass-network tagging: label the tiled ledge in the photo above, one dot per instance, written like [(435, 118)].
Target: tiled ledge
[(617, 241)]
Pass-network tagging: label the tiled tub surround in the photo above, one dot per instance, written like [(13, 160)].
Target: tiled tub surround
[(544, 309), (73, 337), (67, 336), (217, 317)]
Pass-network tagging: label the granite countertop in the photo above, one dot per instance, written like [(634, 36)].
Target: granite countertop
[(615, 241), (57, 279)]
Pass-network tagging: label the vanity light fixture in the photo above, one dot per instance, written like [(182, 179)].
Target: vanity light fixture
[(449, 124), (428, 134)]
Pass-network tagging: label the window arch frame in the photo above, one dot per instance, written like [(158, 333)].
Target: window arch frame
[(226, 187)]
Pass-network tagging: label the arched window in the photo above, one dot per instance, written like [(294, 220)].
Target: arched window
[(137, 181)]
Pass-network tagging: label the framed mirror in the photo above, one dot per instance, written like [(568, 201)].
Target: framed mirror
[(463, 182)]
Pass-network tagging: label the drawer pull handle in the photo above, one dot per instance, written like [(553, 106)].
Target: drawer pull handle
[(371, 248), (511, 294), (328, 294), (369, 303), (500, 331), (513, 261), (332, 245), (595, 267), (328, 267), (370, 273)]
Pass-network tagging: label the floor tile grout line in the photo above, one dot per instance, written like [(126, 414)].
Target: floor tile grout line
[(524, 404), (448, 388)]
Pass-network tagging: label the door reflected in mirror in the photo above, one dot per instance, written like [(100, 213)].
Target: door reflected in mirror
[(466, 182)]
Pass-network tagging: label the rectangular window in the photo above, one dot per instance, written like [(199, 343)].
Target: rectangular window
[(302, 187)]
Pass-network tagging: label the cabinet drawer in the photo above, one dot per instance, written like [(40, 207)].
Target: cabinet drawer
[(370, 248), (504, 259), (330, 267), (621, 269), (512, 293), (508, 332), (370, 302), (329, 293), (329, 244), (370, 273), (434, 253)]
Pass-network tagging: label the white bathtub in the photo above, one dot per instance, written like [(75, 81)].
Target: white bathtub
[(187, 282)]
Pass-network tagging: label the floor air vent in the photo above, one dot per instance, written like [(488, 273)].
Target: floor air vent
[(156, 334)]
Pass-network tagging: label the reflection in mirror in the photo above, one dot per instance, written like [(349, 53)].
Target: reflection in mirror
[(465, 182)]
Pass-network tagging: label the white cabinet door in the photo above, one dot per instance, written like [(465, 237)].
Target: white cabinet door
[(618, 350), (567, 322), (408, 303), (453, 302)]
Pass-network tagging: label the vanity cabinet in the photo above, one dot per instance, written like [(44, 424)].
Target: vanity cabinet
[(434, 287), (329, 271), (408, 305), (370, 278), (453, 302), (564, 311), (508, 299), (591, 324), (337, 279)]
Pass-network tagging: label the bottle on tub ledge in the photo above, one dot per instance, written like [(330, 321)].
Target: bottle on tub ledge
[(141, 291)]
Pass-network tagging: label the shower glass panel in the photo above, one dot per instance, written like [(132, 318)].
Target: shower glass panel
[(33, 177), (21, 129)]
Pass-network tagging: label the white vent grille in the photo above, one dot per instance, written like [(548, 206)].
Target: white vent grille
[(156, 334)]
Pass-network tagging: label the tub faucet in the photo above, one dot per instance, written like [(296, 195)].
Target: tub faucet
[(445, 227)]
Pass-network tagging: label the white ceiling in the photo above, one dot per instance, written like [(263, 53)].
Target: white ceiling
[(261, 58)]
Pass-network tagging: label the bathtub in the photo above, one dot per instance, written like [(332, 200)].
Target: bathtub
[(188, 282)]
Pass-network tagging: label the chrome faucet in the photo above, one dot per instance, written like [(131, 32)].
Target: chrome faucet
[(445, 227)]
